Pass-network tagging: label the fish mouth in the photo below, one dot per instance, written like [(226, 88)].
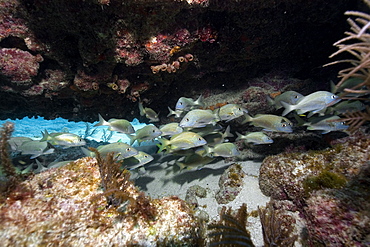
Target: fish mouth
[(333, 102)]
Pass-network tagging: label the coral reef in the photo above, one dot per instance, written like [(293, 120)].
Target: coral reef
[(231, 183), (329, 189), (69, 200), (91, 44), (283, 176)]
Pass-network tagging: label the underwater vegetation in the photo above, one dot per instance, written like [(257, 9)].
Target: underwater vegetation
[(231, 230), (354, 81)]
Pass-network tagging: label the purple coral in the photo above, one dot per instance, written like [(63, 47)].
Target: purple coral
[(19, 66)]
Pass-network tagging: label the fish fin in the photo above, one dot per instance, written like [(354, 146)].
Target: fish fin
[(141, 109), (288, 108), (132, 139), (199, 101), (270, 101), (247, 119), (333, 87), (227, 132), (45, 136), (163, 144), (101, 122), (239, 136), (300, 121)]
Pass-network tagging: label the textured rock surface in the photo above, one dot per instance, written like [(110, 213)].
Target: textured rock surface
[(98, 55)]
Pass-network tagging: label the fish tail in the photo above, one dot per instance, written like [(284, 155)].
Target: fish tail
[(247, 119), (132, 139), (209, 150), (270, 101), (199, 101), (172, 112), (141, 109), (102, 122), (288, 108), (227, 132), (164, 144), (239, 136), (45, 136)]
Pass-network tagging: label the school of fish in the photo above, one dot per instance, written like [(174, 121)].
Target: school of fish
[(201, 135)]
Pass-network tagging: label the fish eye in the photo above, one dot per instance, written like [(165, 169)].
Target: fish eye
[(145, 156), (187, 119), (153, 131), (333, 96), (199, 139), (180, 103), (296, 96), (128, 149), (284, 125)]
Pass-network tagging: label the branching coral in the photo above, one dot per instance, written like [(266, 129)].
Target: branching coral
[(360, 69)]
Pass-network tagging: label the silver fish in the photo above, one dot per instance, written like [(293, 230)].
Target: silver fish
[(290, 97), (119, 125), (312, 103), (255, 138), (147, 133), (270, 122), (346, 106), (194, 160), (326, 124), (177, 113), (227, 149), (63, 139), (149, 113), (171, 129), (199, 118), (121, 150), (230, 111), (15, 142), (217, 137), (137, 160), (35, 148), (182, 141), (186, 104)]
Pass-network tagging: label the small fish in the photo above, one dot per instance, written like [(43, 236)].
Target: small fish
[(15, 142), (35, 148), (311, 103), (350, 83), (182, 141), (137, 160), (194, 160), (177, 113), (147, 133), (270, 122), (290, 97), (231, 111), (217, 137), (225, 150), (121, 150), (119, 125), (63, 139), (199, 118), (186, 104), (326, 124), (171, 129), (149, 113), (255, 138), (346, 106)]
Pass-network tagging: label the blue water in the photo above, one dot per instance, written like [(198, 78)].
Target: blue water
[(32, 127)]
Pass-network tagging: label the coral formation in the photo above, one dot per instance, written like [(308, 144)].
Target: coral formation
[(69, 201), (283, 176), (231, 183)]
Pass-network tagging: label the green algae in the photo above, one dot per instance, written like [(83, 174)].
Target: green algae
[(326, 179)]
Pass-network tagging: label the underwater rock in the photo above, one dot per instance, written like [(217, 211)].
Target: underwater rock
[(291, 175), (231, 183), (66, 206)]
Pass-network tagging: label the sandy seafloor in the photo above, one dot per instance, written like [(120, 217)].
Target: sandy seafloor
[(162, 177)]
